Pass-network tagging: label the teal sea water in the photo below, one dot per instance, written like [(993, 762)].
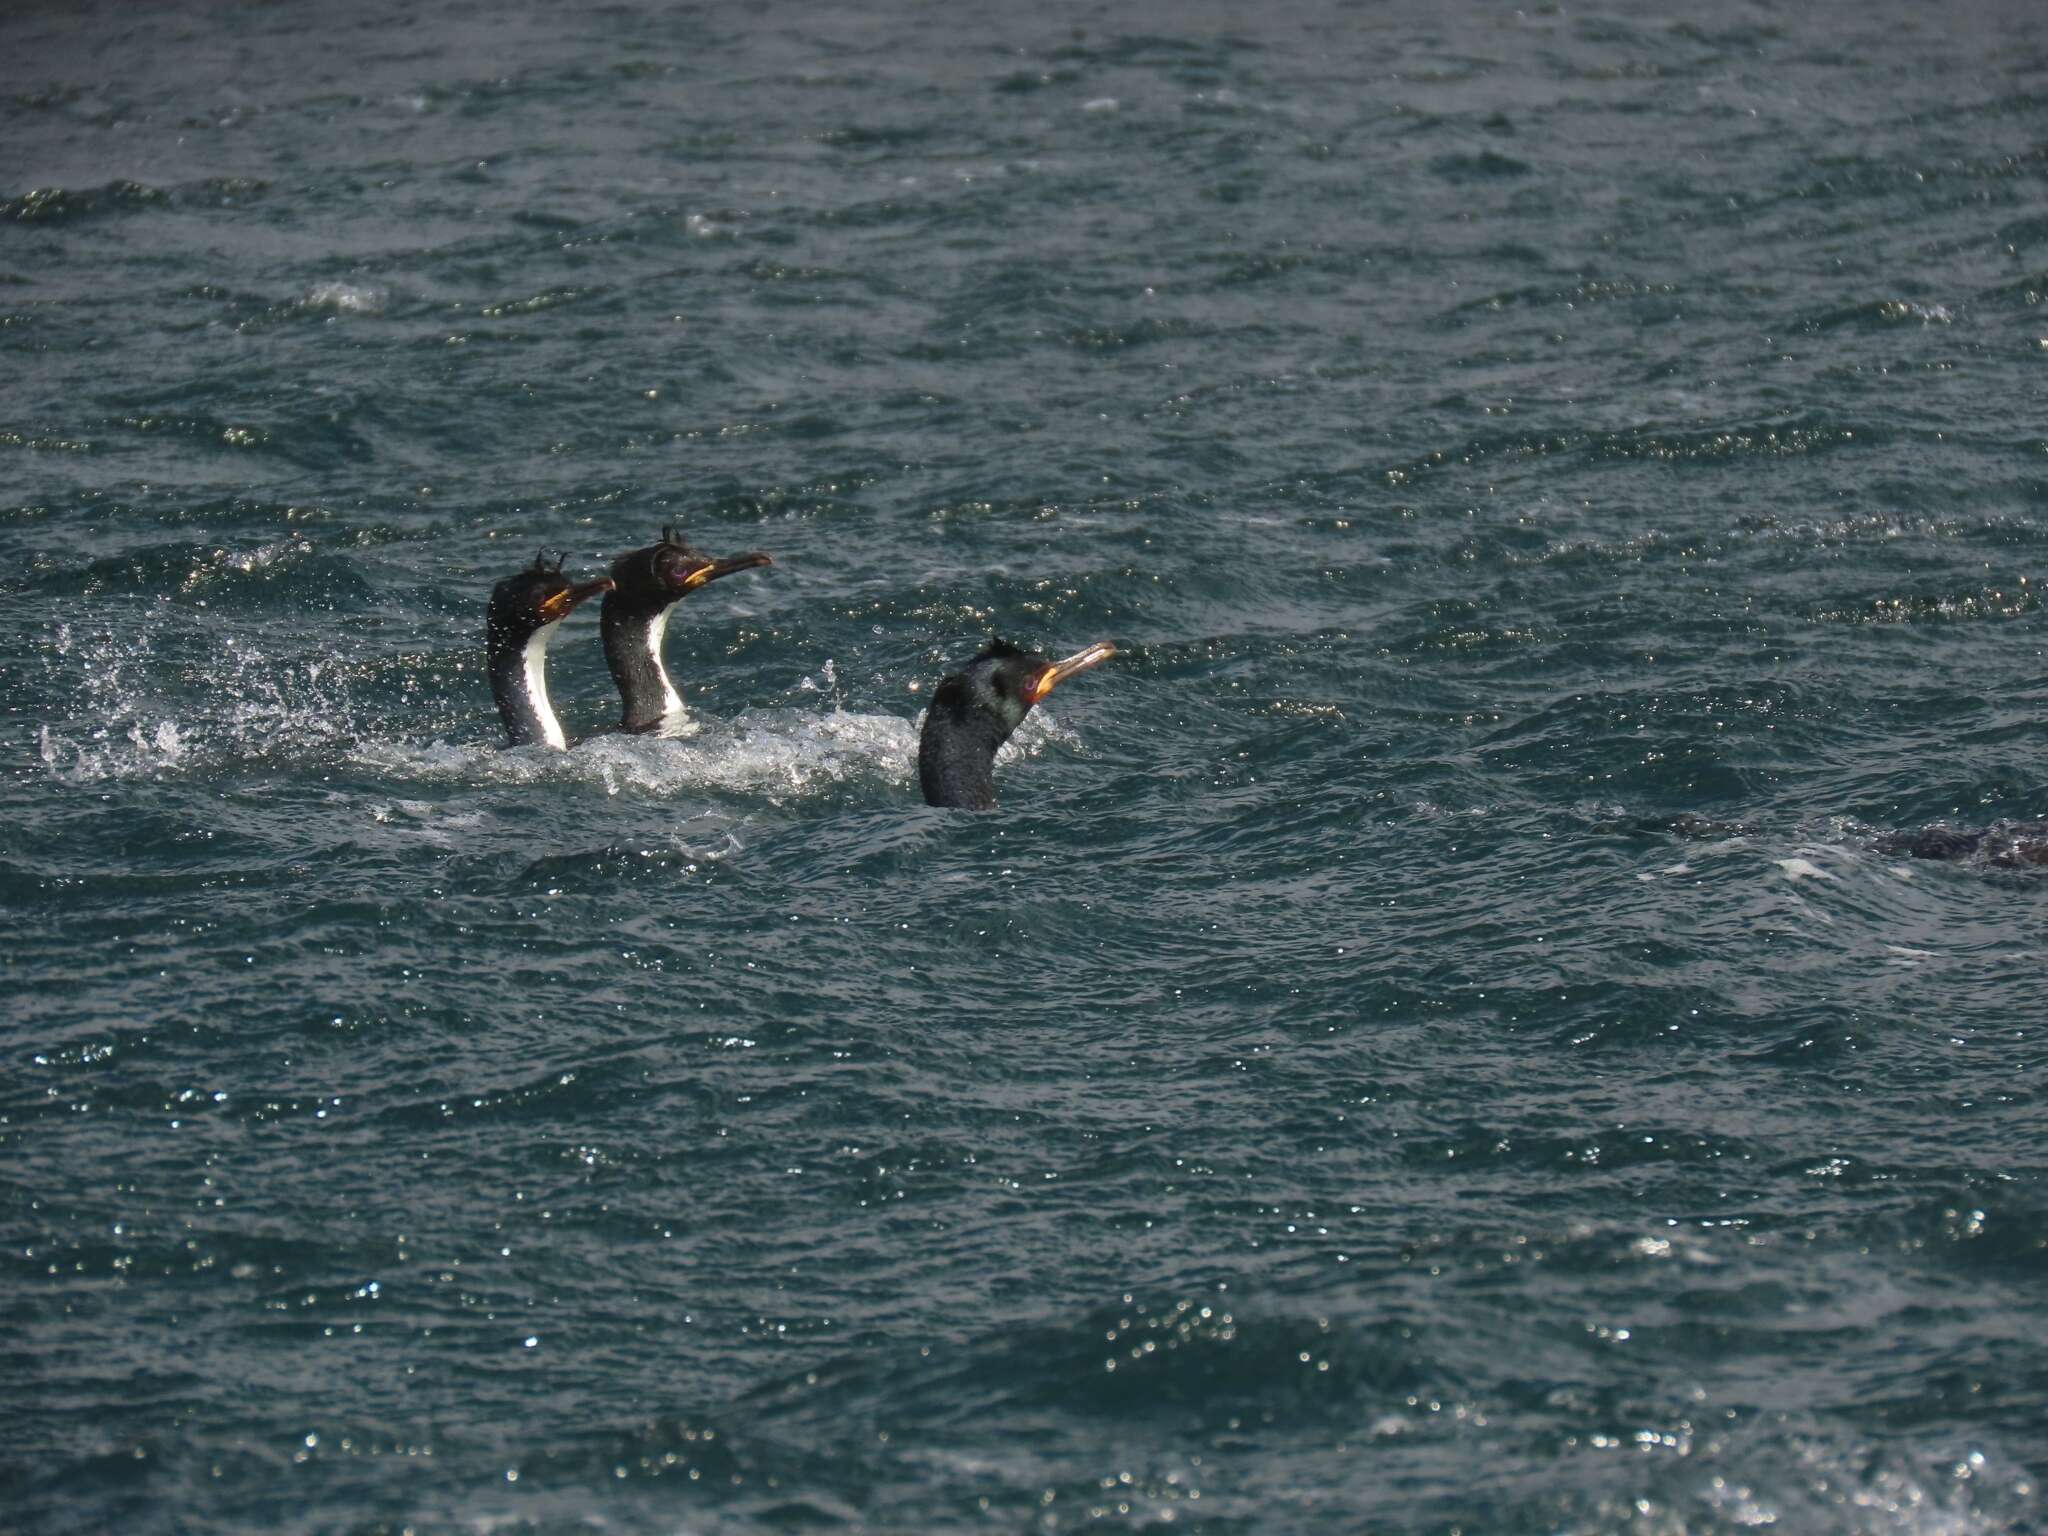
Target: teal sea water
[(1437, 1037)]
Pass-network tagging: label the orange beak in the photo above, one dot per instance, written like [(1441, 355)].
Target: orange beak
[(718, 568), (556, 605), (1059, 671)]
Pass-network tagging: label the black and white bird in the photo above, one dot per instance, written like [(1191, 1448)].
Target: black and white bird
[(526, 611), (645, 586)]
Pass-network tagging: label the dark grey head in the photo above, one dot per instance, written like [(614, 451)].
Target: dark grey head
[(973, 712), (646, 583), (520, 621), (540, 594)]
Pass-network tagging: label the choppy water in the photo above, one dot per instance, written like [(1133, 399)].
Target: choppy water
[(1433, 1040)]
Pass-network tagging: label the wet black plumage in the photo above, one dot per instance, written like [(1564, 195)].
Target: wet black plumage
[(2003, 844), (973, 712)]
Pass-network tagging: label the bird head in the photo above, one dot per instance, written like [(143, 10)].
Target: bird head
[(662, 572)]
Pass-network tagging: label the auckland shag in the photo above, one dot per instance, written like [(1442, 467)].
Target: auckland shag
[(524, 614), (975, 709), (646, 584), (2004, 844)]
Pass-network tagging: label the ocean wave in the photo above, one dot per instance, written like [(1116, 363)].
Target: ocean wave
[(291, 572), (49, 205), (779, 755)]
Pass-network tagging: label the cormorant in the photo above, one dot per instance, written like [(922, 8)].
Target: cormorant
[(525, 611), (645, 585), (974, 711), (2006, 844)]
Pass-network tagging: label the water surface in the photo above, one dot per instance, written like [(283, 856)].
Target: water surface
[(1433, 1040)]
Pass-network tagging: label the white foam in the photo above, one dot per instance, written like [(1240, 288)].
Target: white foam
[(777, 754), (434, 823), (1649, 877), (143, 750), (1926, 314), (1802, 869), (238, 704), (827, 681), (344, 298), (780, 755)]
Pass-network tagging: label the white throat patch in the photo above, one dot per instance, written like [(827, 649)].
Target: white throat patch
[(671, 701), (536, 680)]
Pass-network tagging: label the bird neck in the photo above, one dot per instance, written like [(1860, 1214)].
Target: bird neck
[(632, 649), (519, 682), (956, 752)]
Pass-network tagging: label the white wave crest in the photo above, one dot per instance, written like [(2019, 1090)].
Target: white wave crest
[(345, 298), (780, 755), (135, 712)]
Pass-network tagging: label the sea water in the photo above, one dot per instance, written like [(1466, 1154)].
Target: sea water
[(1437, 1037)]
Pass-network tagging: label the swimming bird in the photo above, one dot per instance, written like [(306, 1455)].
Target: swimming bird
[(525, 611), (646, 583), (2003, 844), (974, 711)]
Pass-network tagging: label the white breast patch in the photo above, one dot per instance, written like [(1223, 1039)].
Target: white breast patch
[(536, 681), (671, 701)]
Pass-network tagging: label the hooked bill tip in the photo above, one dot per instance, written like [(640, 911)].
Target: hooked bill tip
[(717, 568), (1058, 672)]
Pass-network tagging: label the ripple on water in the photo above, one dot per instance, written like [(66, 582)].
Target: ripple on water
[(1441, 1035)]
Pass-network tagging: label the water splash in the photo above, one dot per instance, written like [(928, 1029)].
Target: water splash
[(154, 694), (346, 298), (778, 754)]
